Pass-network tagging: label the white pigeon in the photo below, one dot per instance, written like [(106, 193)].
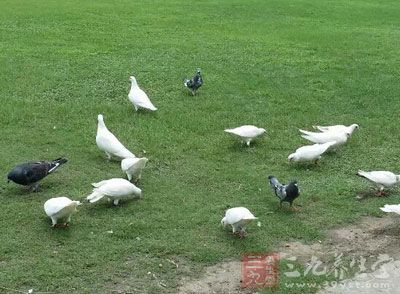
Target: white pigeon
[(310, 152), (133, 167), (381, 178), (338, 128), (237, 217), (247, 132), (339, 137), (138, 97), (107, 142), (391, 208), (60, 208), (115, 189)]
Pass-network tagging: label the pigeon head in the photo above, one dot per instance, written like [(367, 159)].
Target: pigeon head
[(262, 130), (75, 204), (223, 222), (11, 176), (270, 177), (292, 157), (100, 121), (293, 184), (132, 79), (354, 127), (292, 189)]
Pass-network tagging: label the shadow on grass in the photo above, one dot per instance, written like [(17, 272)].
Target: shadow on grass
[(147, 112), (239, 146), (104, 203), (373, 193), (303, 166), (19, 190)]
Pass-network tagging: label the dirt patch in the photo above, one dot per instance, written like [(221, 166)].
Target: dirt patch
[(371, 238), (222, 278)]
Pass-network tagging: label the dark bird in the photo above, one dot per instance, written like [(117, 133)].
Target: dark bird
[(30, 173), (285, 193), (194, 83)]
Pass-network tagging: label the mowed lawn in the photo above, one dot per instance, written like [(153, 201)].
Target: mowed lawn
[(277, 64)]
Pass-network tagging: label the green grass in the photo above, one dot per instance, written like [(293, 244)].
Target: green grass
[(277, 64)]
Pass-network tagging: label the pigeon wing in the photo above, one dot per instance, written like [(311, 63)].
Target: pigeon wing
[(55, 205), (138, 97), (118, 188), (37, 171), (106, 141), (385, 178)]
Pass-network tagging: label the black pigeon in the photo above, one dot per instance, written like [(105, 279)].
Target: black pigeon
[(194, 83), (30, 173), (285, 193)]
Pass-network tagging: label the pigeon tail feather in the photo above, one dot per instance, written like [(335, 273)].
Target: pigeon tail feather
[(56, 163), (99, 184), (95, 196), (361, 173)]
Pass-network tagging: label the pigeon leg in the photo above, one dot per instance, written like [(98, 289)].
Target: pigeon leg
[(248, 142), (54, 222), (293, 208), (116, 201), (34, 187), (129, 176), (381, 193), (108, 156)]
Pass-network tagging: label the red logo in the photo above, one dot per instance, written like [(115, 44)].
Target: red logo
[(260, 270)]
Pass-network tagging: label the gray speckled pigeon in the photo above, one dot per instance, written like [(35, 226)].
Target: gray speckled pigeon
[(194, 83)]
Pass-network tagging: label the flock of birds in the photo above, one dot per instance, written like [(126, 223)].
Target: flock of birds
[(59, 209), (327, 138)]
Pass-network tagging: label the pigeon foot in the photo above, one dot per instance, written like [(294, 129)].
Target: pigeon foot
[(34, 187), (240, 234), (64, 225), (381, 193)]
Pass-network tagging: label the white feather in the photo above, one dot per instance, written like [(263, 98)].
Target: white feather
[(381, 178), (310, 152), (338, 128), (133, 167), (247, 132), (60, 208), (391, 208), (339, 137), (107, 142), (138, 97), (237, 217), (115, 189)]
